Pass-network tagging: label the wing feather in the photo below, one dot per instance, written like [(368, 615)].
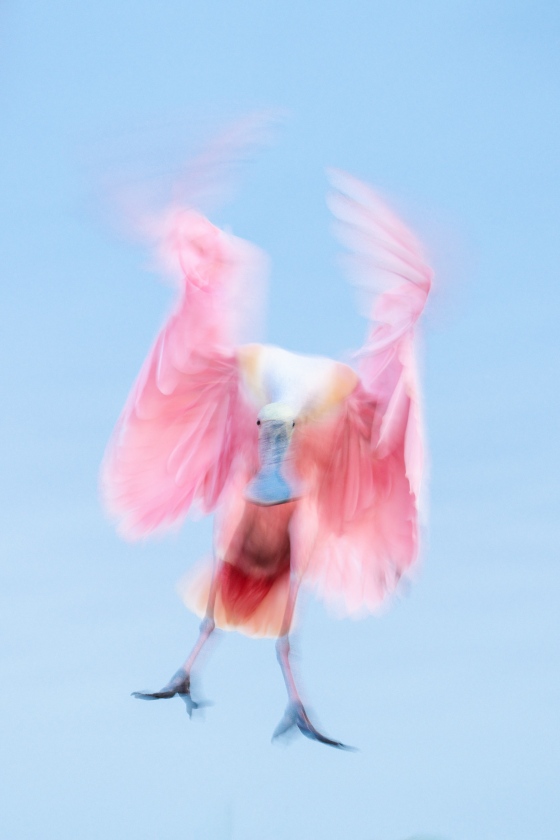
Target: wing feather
[(186, 424), (364, 465)]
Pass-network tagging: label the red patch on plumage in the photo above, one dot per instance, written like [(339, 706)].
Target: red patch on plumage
[(242, 593)]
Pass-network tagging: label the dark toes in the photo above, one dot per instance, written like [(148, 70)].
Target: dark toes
[(179, 683), (296, 716)]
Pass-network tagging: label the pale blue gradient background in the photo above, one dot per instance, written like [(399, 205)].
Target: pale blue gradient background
[(452, 696)]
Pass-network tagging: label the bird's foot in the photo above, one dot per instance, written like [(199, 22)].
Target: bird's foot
[(179, 684), (296, 716)]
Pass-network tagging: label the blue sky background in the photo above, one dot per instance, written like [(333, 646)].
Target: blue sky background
[(453, 695)]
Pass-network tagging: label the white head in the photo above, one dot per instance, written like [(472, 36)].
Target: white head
[(277, 411)]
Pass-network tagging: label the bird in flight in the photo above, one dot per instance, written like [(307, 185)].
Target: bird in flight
[(312, 467)]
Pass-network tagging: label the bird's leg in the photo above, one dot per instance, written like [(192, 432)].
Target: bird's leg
[(180, 682), (295, 714)]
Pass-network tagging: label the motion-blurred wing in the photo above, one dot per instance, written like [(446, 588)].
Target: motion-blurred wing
[(186, 424), (368, 458)]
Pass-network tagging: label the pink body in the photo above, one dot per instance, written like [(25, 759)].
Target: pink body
[(188, 433)]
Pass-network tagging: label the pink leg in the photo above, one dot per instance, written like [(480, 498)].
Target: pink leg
[(180, 682), (295, 714)]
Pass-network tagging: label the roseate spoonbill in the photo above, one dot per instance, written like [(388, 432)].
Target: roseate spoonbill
[(313, 468)]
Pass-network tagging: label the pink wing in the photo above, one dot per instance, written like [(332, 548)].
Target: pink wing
[(186, 426), (365, 464)]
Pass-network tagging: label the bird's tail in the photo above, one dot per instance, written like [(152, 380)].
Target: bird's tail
[(254, 606)]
